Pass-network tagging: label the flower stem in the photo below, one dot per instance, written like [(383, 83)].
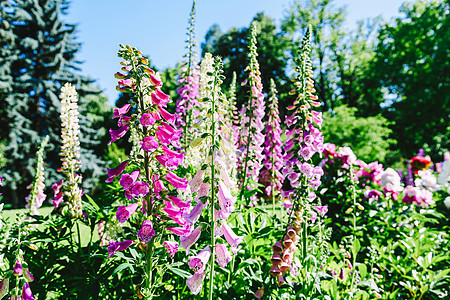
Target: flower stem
[(213, 171)]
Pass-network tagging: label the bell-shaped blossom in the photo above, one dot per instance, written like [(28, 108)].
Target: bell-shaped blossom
[(203, 192), (127, 180), (198, 262), (124, 212), (226, 200), (149, 144), (195, 214), (147, 119), (118, 133), (118, 246), (188, 241), (172, 247), (26, 292), (166, 115), (196, 181), (322, 210), (223, 255), (176, 182), (4, 287), (180, 203), (231, 237), (113, 173), (27, 274), (195, 282), (183, 231), (141, 188), (118, 112), (124, 121), (146, 232), (18, 269), (174, 213)]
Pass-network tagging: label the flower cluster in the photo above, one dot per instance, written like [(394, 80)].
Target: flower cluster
[(304, 139), (187, 106), (152, 164), (417, 195), (37, 196), (273, 146), (369, 173), (211, 184), (70, 152), (252, 138)]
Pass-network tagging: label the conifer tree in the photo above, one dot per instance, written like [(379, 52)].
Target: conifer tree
[(42, 58)]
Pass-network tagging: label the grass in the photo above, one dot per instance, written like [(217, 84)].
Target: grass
[(10, 215)]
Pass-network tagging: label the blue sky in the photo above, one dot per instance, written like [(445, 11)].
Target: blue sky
[(158, 28)]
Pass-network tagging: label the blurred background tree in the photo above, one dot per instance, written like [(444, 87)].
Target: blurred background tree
[(40, 50)]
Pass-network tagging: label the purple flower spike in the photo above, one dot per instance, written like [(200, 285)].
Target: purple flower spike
[(117, 246), (118, 133), (118, 112), (188, 241), (172, 247), (198, 262), (124, 212), (113, 173), (147, 232)]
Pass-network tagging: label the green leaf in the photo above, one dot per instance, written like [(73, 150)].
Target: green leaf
[(97, 208), (122, 267)]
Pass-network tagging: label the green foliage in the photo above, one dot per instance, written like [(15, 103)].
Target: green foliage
[(232, 47), (368, 137), (411, 61)]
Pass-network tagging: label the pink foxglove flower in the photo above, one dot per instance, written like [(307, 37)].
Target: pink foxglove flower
[(149, 144), (118, 112), (188, 241), (147, 120), (231, 237), (127, 180), (198, 262), (118, 133), (195, 214), (146, 232), (223, 255), (172, 247), (26, 292), (113, 173), (18, 269), (141, 188), (118, 246), (176, 182), (125, 212), (178, 202), (195, 282)]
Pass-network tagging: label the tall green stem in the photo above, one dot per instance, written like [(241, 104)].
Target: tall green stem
[(213, 173)]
